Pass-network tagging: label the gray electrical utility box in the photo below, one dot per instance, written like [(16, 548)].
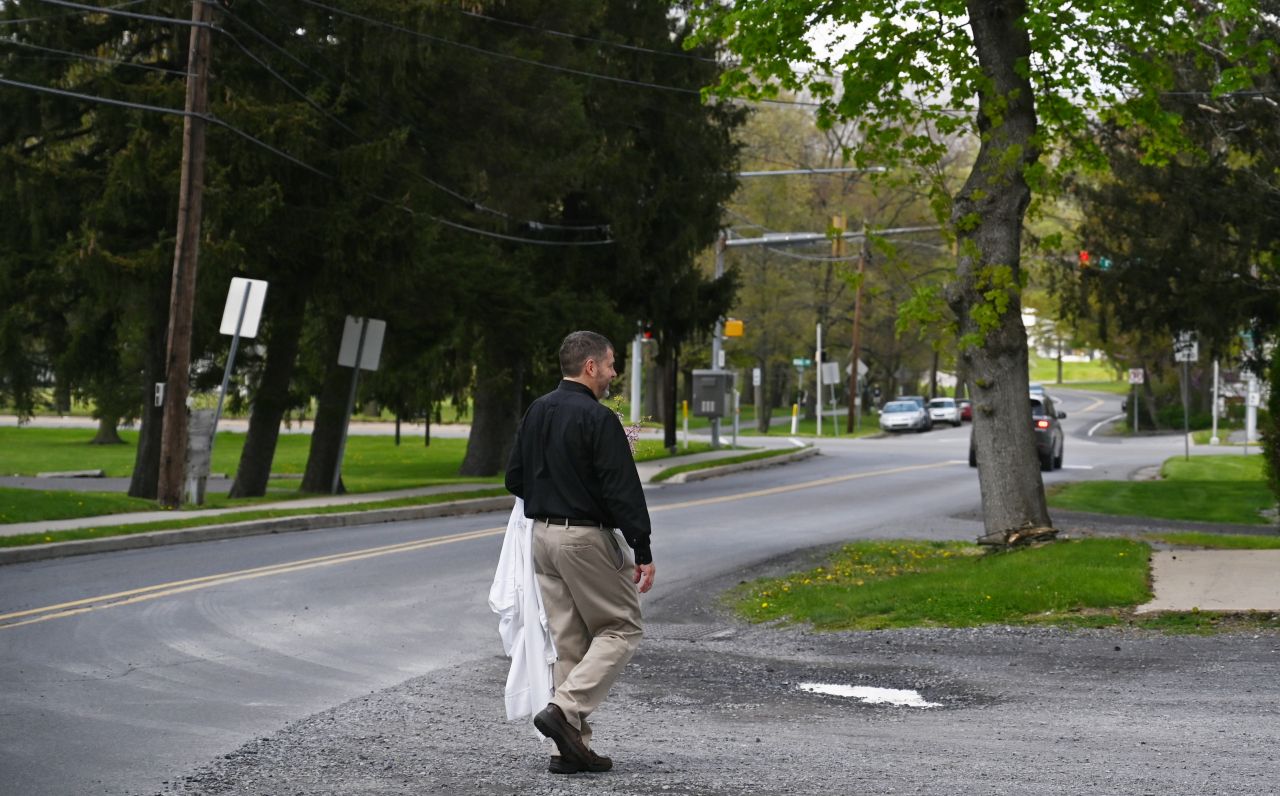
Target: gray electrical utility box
[(712, 393)]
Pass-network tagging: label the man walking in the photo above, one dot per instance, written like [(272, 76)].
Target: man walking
[(572, 466)]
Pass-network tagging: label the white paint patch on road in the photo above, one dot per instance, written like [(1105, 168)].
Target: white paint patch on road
[(1077, 466), (1100, 424), (796, 442), (871, 695)]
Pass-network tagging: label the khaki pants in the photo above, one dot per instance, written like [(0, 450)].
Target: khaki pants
[(593, 608)]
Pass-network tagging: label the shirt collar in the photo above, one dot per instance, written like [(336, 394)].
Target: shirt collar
[(565, 384)]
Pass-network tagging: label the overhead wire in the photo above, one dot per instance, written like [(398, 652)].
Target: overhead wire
[(471, 203), (50, 17), (577, 37), (117, 12), (527, 61), (211, 119), (93, 58)]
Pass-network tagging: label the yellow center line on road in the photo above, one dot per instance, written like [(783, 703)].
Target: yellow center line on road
[(181, 586), (89, 604), (778, 490)]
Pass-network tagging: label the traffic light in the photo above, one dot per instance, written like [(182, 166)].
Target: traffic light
[(1084, 258), (646, 332), (1104, 263)]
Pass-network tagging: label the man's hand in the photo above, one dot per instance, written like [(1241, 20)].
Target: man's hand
[(644, 576)]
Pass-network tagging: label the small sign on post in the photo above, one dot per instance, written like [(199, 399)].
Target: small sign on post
[(1137, 375), (1185, 347), (362, 344), (240, 317)]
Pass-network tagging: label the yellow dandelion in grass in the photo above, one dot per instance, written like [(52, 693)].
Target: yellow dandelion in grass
[(764, 605), (988, 596), (830, 577), (807, 581), (860, 582)]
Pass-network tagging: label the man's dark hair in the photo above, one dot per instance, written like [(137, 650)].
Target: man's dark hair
[(578, 347)]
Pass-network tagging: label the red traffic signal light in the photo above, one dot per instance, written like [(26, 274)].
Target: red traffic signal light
[(1084, 258)]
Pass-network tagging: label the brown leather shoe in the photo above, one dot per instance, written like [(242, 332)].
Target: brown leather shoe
[(551, 722), (596, 764)]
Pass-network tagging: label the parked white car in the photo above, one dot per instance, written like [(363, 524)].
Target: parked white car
[(944, 410), (904, 416)]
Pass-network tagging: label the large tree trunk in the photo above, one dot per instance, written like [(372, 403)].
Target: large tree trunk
[(499, 384), (326, 434), (270, 403), (145, 481), (107, 433), (652, 398), (668, 362), (988, 217)]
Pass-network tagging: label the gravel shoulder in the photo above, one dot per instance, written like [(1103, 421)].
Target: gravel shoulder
[(710, 706)]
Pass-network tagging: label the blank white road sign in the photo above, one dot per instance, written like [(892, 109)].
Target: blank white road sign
[(257, 290), (372, 350)]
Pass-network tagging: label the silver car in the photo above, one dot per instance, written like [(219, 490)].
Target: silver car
[(904, 416)]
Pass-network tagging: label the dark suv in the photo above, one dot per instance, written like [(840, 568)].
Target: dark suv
[(1048, 431)]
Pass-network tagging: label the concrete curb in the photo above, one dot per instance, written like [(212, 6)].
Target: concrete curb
[(234, 530), (757, 464), (308, 522)]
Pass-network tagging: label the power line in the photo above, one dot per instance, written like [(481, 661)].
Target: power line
[(527, 61), (211, 119), (65, 14), (471, 203), (93, 58), (576, 37), (116, 12)]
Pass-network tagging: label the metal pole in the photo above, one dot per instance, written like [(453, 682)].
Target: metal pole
[(226, 374), (637, 349), (351, 404), (186, 255), (1213, 440), (855, 393), (715, 338), (1186, 423), (817, 401)]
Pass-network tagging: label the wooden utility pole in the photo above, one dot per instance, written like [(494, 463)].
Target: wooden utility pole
[(186, 254), (854, 395)]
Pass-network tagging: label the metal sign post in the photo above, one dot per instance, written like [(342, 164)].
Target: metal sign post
[(818, 381), (1136, 377), (1185, 350), (240, 318), (360, 350)]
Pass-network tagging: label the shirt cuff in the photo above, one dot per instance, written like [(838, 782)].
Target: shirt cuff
[(644, 555)]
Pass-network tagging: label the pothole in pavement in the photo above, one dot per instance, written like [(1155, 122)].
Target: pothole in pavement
[(684, 676), (872, 695)]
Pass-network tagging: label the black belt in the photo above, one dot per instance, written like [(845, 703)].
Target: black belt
[(568, 521)]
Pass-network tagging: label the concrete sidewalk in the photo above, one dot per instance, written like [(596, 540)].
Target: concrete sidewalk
[(1214, 580)]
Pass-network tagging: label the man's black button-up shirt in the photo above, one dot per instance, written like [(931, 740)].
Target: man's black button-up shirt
[(571, 459)]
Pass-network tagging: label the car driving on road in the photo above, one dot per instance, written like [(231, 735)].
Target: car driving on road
[(1049, 436), (904, 416)]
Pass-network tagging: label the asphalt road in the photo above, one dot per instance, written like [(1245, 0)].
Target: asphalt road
[(165, 659)]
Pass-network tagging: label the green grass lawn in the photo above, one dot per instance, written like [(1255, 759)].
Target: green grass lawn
[(1045, 371), (371, 464), (1218, 541), (97, 532), (904, 583), (1205, 488)]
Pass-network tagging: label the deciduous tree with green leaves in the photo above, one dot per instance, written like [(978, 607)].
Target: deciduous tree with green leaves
[(1026, 78)]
